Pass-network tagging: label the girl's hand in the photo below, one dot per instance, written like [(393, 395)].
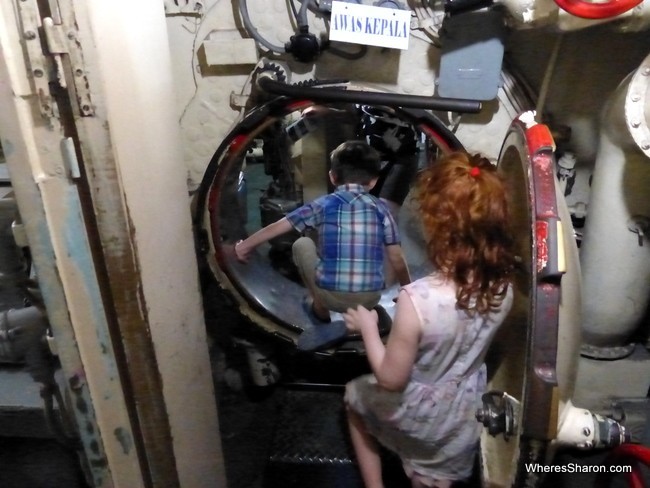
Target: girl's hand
[(358, 319)]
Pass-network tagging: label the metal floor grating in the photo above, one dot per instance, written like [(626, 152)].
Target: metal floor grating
[(310, 445), (311, 429)]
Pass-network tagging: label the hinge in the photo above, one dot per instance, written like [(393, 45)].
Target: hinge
[(63, 38), (48, 41), (39, 66)]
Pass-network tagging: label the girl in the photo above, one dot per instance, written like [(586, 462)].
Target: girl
[(429, 377)]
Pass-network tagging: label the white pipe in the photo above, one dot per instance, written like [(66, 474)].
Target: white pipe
[(581, 428), (615, 259), (20, 330)]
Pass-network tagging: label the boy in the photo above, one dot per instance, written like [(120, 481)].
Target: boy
[(346, 268)]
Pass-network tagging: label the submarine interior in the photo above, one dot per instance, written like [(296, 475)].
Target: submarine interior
[(141, 140)]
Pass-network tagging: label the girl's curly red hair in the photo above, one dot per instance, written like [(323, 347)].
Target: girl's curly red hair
[(464, 209)]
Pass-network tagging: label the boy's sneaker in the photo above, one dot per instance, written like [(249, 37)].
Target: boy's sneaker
[(323, 336), (328, 335), (308, 307)]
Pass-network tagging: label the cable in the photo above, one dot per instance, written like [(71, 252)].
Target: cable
[(294, 11), (546, 82), (429, 20), (363, 50), (243, 10), (53, 421), (369, 98), (630, 455), (302, 14)]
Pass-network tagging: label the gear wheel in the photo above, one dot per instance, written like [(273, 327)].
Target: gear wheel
[(277, 70)]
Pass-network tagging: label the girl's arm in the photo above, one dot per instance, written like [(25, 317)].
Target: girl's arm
[(393, 362)]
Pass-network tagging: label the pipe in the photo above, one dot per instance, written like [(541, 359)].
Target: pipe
[(20, 330), (250, 28), (615, 251), (584, 429), (22, 334), (625, 455), (593, 10), (266, 83)]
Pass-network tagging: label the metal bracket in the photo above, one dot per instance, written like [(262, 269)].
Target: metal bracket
[(639, 225), (62, 39), (31, 24), (183, 7), (47, 42)]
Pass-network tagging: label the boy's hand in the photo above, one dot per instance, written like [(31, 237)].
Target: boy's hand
[(358, 319), (242, 252)]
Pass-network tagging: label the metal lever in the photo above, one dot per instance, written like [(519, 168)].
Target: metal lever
[(639, 224)]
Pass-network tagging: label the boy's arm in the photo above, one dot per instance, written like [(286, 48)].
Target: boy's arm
[(245, 247), (398, 262)]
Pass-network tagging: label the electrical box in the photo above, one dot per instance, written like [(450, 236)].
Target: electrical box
[(472, 55)]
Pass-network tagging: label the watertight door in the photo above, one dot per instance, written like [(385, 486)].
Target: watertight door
[(532, 362)]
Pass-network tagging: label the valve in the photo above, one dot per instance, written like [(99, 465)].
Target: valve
[(498, 413), (304, 46)]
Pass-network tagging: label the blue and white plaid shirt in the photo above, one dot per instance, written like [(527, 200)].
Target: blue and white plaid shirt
[(353, 228)]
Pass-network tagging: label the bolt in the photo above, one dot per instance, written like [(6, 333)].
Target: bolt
[(75, 382), (85, 108), (636, 97), (586, 432), (480, 415), (38, 73), (79, 72), (29, 35), (646, 72), (71, 35), (636, 124), (645, 146)]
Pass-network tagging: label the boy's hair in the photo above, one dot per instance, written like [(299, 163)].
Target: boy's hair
[(355, 162)]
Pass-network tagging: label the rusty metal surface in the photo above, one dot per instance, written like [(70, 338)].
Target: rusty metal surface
[(110, 232), (522, 360), (539, 406)]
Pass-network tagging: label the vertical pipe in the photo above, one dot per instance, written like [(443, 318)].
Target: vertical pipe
[(615, 252)]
